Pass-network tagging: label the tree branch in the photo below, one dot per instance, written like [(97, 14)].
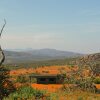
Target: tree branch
[(2, 27), (2, 56)]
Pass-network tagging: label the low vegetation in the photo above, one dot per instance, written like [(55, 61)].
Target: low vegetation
[(80, 81), (6, 86), (26, 93), (97, 80)]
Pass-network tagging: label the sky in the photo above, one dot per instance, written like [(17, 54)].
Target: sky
[(70, 25)]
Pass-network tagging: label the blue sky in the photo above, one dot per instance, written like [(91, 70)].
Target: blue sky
[(72, 25)]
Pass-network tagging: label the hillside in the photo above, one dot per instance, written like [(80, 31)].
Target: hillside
[(93, 57), (37, 55)]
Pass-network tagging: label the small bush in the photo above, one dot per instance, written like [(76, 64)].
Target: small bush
[(53, 96), (97, 80), (21, 79), (80, 98), (26, 93), (6, 86)]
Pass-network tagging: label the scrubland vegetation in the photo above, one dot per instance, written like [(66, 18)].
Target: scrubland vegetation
[(78, 86), (81, 81)]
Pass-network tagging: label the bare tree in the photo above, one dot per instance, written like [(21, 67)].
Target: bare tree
[(2, 56), (6, 86)]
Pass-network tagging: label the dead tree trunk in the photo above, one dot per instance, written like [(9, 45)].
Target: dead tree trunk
[(2, 56)]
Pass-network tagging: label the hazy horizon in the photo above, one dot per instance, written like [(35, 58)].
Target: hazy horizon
[(67, 25), (29, 49)]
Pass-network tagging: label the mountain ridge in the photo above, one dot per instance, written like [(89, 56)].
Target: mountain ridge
[(38, 55)]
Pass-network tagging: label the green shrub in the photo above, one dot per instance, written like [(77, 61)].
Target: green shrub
[(53, 96), (97, 80), (80, 98), (26, 93), (6, 86), (21, 79)]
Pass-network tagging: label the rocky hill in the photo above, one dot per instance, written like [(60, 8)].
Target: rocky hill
[(91, 58)]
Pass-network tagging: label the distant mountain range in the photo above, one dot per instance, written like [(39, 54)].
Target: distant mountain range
[(29, 55)]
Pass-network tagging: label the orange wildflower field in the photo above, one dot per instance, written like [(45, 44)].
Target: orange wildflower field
[(55, 88), (48, 70), (47, 87), (43, 70)]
